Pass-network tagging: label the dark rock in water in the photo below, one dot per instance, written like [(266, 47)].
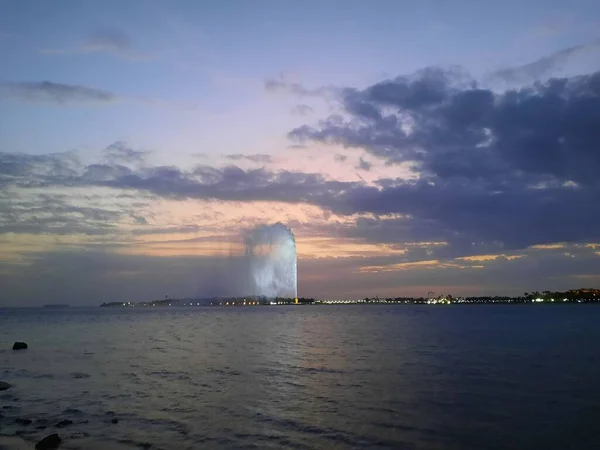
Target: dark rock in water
[(64, 423), (19, 346), (115, 421), (23, 421), (49, 442), (4, 386)]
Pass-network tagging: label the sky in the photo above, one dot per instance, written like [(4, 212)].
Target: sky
[(411, 146)]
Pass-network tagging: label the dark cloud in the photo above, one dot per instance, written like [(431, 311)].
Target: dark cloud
[(230, 183), (495, 170), (340, 157), (364, 165), (25, 169), (302, 110), (47, 91), (257, 158), (55, 214), (544, 66), (139, 220), (465, 132)]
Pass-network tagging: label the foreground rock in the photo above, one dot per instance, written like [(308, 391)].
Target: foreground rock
[(19, 346), (4, 386), (49, 442)]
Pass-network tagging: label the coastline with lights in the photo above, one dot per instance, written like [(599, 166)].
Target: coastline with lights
[(586, 295)]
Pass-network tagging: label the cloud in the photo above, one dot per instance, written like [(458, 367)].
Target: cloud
[(55, 214), (230, 183), (104, 40), (24, 168), (62, 94), (536, 70), (340, 157), (302, 110), (47, 91), (496, 170), (364, 165), (120, 152), (257, 158), (280, 85), (476, 198), (553, 270), (139, 220)]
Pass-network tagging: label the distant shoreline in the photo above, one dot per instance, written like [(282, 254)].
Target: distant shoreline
[(319, 303), (574, 296), (355, 303), (580, 296)]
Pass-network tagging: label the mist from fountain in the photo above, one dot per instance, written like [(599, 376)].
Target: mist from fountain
[(272, 261)]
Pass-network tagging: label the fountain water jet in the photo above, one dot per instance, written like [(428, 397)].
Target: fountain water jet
[(272, 261)]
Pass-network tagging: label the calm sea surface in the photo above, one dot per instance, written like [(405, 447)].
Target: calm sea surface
[(306, 377)]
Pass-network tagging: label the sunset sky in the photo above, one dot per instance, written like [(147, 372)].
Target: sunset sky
[(412, 146)]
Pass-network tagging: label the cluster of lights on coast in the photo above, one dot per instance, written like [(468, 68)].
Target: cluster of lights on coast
[(442, 300), (573, 296), (233, 303)]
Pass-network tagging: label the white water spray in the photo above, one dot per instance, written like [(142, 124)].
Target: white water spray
[(272, 261)]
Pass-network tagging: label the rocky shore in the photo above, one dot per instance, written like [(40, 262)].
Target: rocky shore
[(64, 429)]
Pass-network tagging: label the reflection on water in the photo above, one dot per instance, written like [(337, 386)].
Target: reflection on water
[(472, 377)]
